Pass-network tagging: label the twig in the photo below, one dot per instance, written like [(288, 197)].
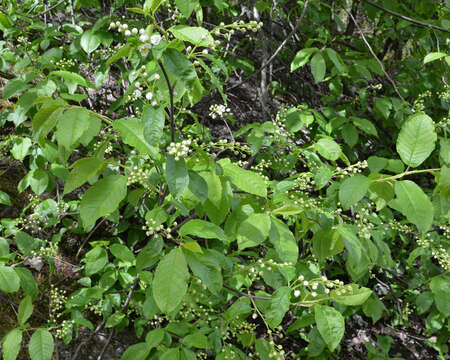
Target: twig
[(88, 237), (47, 10), (250, 296), (277, 51), (100, 326), (169, 85), (373, 54), (417, 22), (99, 357)]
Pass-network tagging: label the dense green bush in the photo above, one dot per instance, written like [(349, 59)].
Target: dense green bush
[(262, 243)]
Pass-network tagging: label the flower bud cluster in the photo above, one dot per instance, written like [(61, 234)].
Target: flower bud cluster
[(419, 103), (180, 149), (437, 251), (31, 223), (50, 250), (57, 302), (96, 307), (255, 271), (65, 329), (65, 64), (238, 26), (219, 110), (350, 170), (137, 175)]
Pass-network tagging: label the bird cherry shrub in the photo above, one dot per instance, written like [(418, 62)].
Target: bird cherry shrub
[(263, 244)]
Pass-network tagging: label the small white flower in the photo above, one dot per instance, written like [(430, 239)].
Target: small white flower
[(305, 282), (205, 51), (154, 103), (149, 96), (112, 25), (297, 293), (254, 316), (155, 39), (137, 84), (144, 49), (127, 33), (157, 77), (301, 278), (313, 294), (314, 286), (141, 31), (138, 93), (327, 291), (124, 26), (143, 37), (134, 31)]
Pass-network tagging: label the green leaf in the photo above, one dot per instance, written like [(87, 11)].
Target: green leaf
[(186, 7), (14, 87), (5, 199), (328, 148), (170, 281), (153, 119), (27, 282), (171, 354), (25, 310), (326, 244), (45, 119), (373, 308), (9, 280), (95, 259), (154, 337), (71, 78), (139, 351), (253, 230), (102, 198), (245, 180), (196, 35), (365, 125), (71, 126), (383, 106), (353, 190), (90, 41), (41, 345), (132, 131), (82, 171), (283, 241), (278, 306), (302, 57), (424, 302), (357, 296), (198, 186), (412, 202), (241, 307), (196, 340), (115, 319), (11, 344), (433, 56), (203, 229), (119, 54), (351, 242), (206, 267), (38, 180), (330, 324), (318, 67), (122, 252), (416, 140), (20, 148), (177, 175), (440, 287), (336, 60)]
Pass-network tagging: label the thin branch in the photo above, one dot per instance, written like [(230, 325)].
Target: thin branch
[(169, 85), (406, 18), (250, 296), (47, 10), (277, 51), (373, 54), (102, 324)]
